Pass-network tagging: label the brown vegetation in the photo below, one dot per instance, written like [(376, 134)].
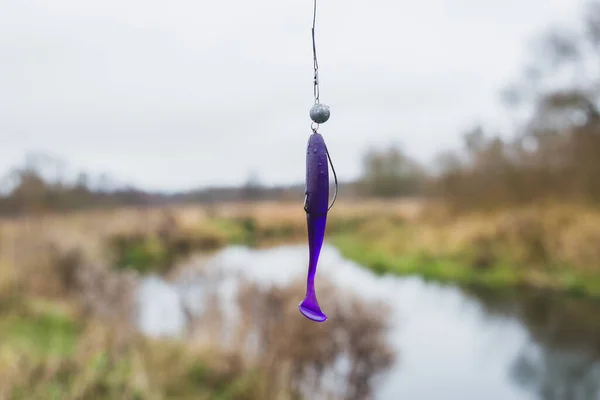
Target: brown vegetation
[(59, 280)]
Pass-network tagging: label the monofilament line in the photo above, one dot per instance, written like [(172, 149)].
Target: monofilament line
[(316, 63), (319, 113)]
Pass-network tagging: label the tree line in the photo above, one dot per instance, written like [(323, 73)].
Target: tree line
[(554, 153)]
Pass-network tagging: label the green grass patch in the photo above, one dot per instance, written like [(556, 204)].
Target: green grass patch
[(156, 252), (43, 339), (43, 333), (459, 270), (143, 254)]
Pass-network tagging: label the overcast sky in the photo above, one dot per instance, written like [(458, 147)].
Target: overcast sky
[(178, 94)]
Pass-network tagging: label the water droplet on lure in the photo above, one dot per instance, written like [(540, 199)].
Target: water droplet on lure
[(315, 150)]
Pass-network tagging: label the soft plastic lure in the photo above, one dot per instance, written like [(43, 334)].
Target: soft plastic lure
[(316, 205), (316, 200)]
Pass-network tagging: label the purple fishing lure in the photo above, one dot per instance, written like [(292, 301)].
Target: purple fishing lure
[(316, 205)]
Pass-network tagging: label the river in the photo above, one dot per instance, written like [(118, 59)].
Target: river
[(450, 343)]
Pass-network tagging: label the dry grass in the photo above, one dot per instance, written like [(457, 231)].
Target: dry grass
[(530, 241), (64, 262), (31, 246), (537, 236), (301, 354), (298, 355), (550, 246), (100, 365)]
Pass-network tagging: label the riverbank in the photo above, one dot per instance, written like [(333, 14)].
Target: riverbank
[(65, 315), (49, 351), (548, 247), (66, 284), (553, 247)]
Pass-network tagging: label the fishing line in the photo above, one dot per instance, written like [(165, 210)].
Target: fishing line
[(315, 62), (320, 113), (334, 179)]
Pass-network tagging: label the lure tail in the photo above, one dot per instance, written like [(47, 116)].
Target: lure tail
[(309, 307)]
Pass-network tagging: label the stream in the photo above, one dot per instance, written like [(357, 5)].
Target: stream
[(450, 343)]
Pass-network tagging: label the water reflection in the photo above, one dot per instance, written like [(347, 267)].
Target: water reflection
[(223, 306), (341, 360), (561, 360), (432, 341)]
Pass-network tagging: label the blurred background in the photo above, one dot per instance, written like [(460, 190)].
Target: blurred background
[(152, 235)]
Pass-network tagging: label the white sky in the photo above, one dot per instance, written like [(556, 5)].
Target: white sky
[(178, 94)]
